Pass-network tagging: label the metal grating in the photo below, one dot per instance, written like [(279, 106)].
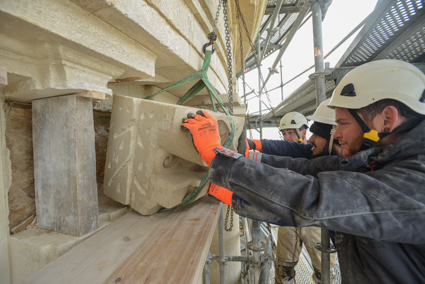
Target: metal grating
[(390, 27), (411, 49)]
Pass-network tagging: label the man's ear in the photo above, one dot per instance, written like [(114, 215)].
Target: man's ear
[(389, 119)]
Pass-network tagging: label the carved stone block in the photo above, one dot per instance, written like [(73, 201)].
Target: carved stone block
[(150, 162)]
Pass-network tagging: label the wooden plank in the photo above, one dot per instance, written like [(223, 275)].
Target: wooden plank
[(177, 251), (168, 247), (95, 259), (65, 165)]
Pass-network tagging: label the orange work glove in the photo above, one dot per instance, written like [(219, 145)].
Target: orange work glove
[(221, 193), (203, 129), (255, 144)]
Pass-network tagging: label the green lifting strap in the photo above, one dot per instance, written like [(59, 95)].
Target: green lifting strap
[(203, 82)]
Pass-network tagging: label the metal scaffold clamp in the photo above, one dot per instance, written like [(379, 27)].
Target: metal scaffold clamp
[(321, 248)]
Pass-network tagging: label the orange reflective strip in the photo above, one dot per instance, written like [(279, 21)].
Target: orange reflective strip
[(221, 193)]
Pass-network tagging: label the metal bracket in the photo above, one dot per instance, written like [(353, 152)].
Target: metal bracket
[(320, 74), (262, 248), (264, 258), (319, 247), (224, 262)]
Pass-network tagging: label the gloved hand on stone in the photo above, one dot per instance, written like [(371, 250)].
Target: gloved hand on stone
[(255, 144), (243, 147), (203, 129), (221, 193)]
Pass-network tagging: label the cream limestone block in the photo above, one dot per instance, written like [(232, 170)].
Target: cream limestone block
[(34, 248), (65, 165), (176, 40), (151, 163), (3, 76), (53, 70), (205, 100), (56, 21), (110, 210), (5, 183)]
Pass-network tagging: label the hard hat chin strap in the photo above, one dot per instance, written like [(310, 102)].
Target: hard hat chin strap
[(300, 140), (370, 137), (331, 139)]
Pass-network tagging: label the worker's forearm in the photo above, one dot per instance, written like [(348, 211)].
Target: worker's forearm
[(300, 165), (302, 200), (246, 209), (286, 148)]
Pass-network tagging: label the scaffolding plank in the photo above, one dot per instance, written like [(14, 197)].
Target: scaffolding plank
[(172, 245), (176, 252)]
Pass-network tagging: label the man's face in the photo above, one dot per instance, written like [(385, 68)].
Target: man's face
[(348, 132), (319, 145), (291, 135)]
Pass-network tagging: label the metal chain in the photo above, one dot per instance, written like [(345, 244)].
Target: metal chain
[(230, 91), (229, 55), (229, 208), (216, 15), (239, 12)]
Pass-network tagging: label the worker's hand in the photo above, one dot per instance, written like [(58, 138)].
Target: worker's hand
[(243, 147), (203, 129), (221, 193), (248, 144), (255, 144)]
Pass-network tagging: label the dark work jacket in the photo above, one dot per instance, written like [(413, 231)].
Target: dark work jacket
[(271, 147), (286, 148), (379, 215)]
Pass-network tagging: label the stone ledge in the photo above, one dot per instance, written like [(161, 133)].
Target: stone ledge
[(34, 248)]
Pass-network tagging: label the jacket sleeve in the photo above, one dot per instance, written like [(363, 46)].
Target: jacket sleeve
[(247, 210), (301, 165), (286, 148), (368, 205)]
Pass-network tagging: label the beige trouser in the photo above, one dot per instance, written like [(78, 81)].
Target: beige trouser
[(289, 246)]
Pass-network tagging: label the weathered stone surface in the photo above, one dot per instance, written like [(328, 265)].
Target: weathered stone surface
[(109, 209), (23, 225), (102, 121), (19, 143), (34, 248), (5, 182), (3, 76), (150, 162), (65, 165)]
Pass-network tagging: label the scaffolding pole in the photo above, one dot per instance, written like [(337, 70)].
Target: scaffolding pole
[(222, 256), (259, 85), (295, 26), (320, 97)]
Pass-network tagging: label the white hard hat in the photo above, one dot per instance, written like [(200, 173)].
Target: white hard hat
[(378, 80), (324, 114), (292, 120)]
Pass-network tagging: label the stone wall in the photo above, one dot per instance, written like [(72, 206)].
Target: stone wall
[(101, 131), (19, 143)]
